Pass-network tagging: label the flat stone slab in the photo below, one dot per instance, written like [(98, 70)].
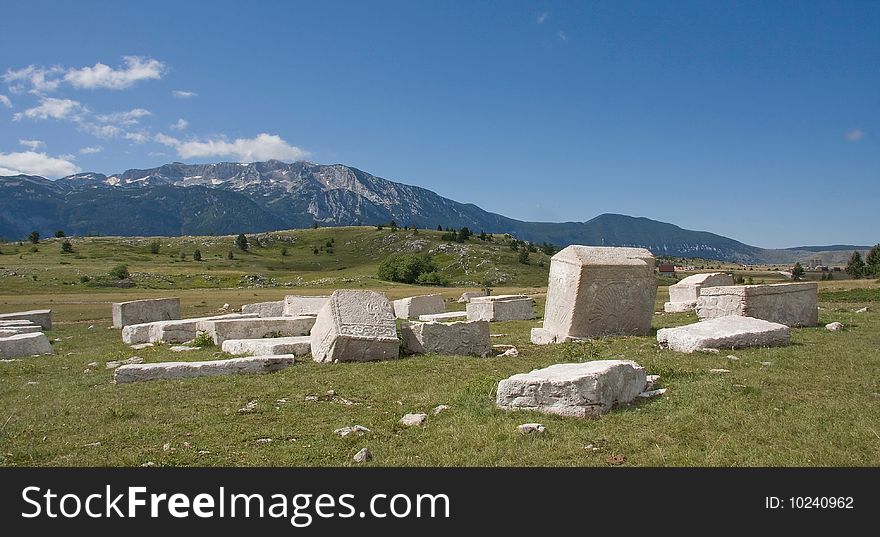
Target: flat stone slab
[(296, 345), (501, 308), (459, 338), (355, 326), (448, 316), (414, 306), (145, 311), (598, 291), (262, 327), (295, 305), (24, 345), (467, 296), (252, 365), (40, 317), (791, 304), (265, 309), (17, 322), (6, 331), (683, 295), (731, 332), (575, 390), (178, 331)]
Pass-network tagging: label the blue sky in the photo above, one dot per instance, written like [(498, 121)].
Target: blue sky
[(756, 120)]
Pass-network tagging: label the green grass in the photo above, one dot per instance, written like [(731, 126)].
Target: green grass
[(816, 404)]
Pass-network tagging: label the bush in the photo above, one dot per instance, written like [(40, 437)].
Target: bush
[(34, 249), (797, 273), (230, 255), (241, 242), (120, 272), (59, 234), (284, 251), (523, 256), (197, 255), (203, 339), (66, 247), (34, 237), (154, 247), (856, 267), (405, 268), (432, 278), (84, 279)]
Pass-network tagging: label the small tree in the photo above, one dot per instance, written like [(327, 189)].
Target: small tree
[(154, 247), (241, 242), (855, 267), (66, 247), (872, 261), (34, 237), (523, 256), (393, 225), (439, 228), (284, 251), (197, 255), (797, 273), (59, 234), (120, 272), (315, 225), (230, 255)]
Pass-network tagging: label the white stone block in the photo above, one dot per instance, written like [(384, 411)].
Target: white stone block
[(575, 390), (501, 308), (263, 327), (295, 305), (461, 338), (791, 304), (296, 345), (448, 316), (684, 294), (414, 306), (24, 345), (467, 296), (6, 331), (40, 317), (145, 311), (265, 309), (355, 326), (731, 332), (598, 291), (178, 331), (178, 370)]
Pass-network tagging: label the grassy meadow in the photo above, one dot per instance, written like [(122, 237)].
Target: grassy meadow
[(814, 403)]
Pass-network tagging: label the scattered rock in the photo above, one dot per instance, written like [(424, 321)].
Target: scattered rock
[(709, 351), (92, 364), (183, 348), (358, 430), (765, 363), (505, 350), (249, 407), (498, 335), (835, 326), (529, 428), (281, 401), (141, 346), (719, 370), (93, 444), (364, 455), (647, 394), (331, 393), (439, 408), (311, 398), (413, 420), (616, 460), (863, 310), (91, 327), (651, 381), (263, 440), (148, 464), (113, 364), (166, 446), (32, 383), (732, 357)]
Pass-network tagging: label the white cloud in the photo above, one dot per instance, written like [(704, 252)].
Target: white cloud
[(137, 137), (32, 144), (4, 100), (124, 118), (180, 94), (33, 163), (542, 17), (41, 79), (562, 35), (181, 124), (855, 135), (262, 147), (91, 150), (103, 76), (51, 107), (101, 131)]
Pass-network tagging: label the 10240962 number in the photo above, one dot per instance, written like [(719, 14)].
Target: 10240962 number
[(821, 502)]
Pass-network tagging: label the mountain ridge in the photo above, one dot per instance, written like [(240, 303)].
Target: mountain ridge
[(227, 197)]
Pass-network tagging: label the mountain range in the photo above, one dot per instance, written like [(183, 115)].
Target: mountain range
[(229, 198)]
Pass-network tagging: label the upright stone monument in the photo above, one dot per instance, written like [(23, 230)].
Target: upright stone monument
[(355, 326), (415, 306), (597, 291), (791, 304), (684, 294), (295, 305)]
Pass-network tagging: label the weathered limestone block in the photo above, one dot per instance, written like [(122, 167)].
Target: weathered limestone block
[(178, 331), (731, 332), (414, 306), (145, 311), (355, 326), (265, 309), (40, 317), (596, 291), (575, 390), (683, 295), (24, 345), (501, 308), (461, 338), (448, 316), (467, 296), (296, 345), (6, 331), (791, 304), (18, 322), (295, 305), (178, 370), (221, 330)]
